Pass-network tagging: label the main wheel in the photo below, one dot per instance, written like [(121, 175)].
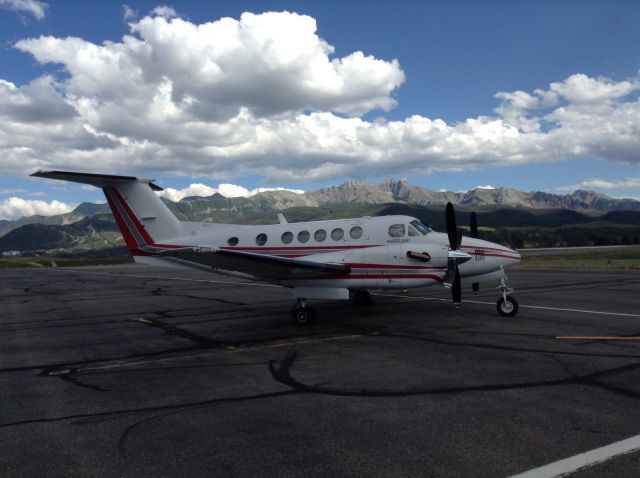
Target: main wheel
[(362, 297), (304, 315), (507, 308)]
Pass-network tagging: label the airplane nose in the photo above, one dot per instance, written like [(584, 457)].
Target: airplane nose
[(515, 257)]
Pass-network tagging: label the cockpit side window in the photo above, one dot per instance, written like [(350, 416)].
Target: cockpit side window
[(421, 227)]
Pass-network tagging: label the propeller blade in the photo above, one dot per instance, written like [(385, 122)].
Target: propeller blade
[(450, 275), (474, 225), (452, 230), (456, 289)]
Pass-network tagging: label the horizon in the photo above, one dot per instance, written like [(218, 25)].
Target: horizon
[(177, 196), (430, 92)]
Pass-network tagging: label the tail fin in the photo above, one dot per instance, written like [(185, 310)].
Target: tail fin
[(144, 220)]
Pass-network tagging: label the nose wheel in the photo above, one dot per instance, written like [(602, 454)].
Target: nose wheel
[(507, 305), (303, 314)]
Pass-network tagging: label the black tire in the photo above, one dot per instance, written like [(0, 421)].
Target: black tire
[(304, 315), (508, 308), (362, 297)]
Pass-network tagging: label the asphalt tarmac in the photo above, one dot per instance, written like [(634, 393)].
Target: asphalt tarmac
[(137, 371)]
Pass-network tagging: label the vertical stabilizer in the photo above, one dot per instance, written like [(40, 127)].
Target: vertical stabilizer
[(143, 219)]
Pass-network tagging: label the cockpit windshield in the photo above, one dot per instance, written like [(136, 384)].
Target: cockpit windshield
[(421, 227)]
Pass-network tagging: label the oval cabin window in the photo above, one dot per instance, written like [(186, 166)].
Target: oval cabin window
[(320, 235), (287, 237), (303, 236), (355, 232), (261, 239), (337, 234), (232, 241)]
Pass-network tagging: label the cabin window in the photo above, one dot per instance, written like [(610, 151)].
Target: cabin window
[(232, 241), (337, 234), (355, 232), (413, 231), (287, 237), (396, 230), (261, 239), (320, 235), (303, 236)]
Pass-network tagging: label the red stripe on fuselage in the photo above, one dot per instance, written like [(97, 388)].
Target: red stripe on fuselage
[(296, 248), (383, 276), (388, 266)]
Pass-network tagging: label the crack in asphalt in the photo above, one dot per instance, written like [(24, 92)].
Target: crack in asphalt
[(281, 372)]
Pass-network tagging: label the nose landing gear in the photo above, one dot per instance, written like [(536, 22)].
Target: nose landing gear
[(507, 305)]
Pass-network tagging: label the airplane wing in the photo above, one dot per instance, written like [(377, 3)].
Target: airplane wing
[(263, 267)]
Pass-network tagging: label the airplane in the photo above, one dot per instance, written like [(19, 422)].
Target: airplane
[(337, 259)]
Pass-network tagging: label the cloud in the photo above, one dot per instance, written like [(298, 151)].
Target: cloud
[(12, 191), (33, 7), (485, 187), (598, 183), (15, 207), (264, 95), (227, 190), (128, 13), (164, 11), (36, 102)]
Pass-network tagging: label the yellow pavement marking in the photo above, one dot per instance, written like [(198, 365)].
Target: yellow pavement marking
[(228, 349), (288, 344), (594, 337)]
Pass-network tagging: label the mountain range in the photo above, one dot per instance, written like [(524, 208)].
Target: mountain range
[(91, 225)]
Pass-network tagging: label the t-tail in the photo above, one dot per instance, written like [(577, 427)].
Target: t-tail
[(146, 223)]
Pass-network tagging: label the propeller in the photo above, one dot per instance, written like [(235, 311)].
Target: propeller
[(455, 257), (473, 230)]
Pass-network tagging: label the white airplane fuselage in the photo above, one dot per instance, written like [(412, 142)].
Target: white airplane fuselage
[(328, 259), (377, 260)]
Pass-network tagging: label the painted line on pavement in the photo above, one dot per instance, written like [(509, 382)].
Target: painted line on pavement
[(583, 460), (537, 307), (227, 349), (255, 284)]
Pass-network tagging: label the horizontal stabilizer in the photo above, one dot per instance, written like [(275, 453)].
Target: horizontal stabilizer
[(97, 180)]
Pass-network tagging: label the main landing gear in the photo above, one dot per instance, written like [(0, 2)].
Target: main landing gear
[(362, 297), (507, 306), (302, 313)]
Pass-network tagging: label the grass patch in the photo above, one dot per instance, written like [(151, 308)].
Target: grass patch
[(46, 261), (624, 259)]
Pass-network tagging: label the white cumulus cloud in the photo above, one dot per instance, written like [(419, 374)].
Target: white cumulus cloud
[(164, 11), (32, 7), (265, 95), (485, 187), (15, 207), (225, 189), (598, 183)]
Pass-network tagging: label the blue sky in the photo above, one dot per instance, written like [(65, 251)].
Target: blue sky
[(453, 58)]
